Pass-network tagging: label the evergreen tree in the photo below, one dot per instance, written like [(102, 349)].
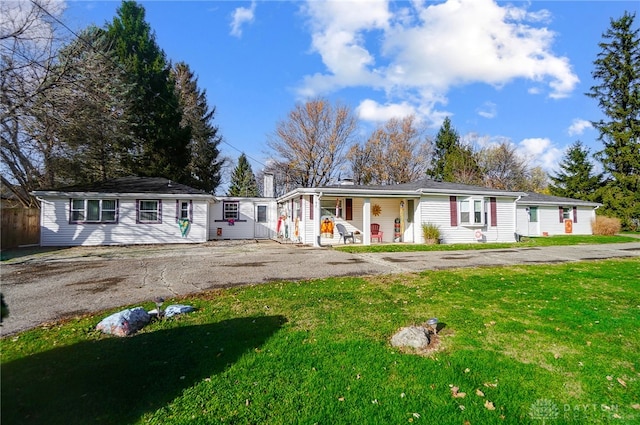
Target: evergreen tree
[(617, 70), (576, 178), (447, 142), (243, 181), (205, 165), (162, 148)]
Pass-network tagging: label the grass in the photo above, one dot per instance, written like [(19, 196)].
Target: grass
[(526, 242), (526, 344)]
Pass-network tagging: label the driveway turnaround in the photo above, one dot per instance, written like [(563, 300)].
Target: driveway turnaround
[(45, 287)]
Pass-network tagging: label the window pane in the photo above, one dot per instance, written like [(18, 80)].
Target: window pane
[(93, 210), (184, 210), (262, 213), (477, 211), (108, 216), (108, 204), (77, 216), (464, 211), (148, 205), (78, 204), (148, 216), (533, 214)]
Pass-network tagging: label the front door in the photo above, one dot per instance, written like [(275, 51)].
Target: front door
[(261, 228)]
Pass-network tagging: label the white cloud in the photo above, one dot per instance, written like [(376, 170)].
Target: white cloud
[(488, 110), (578, 126), (370, 110), (414, 48), (542, 152), (241, 16)]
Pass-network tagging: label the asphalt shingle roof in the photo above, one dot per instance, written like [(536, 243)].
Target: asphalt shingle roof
[(156, 185)]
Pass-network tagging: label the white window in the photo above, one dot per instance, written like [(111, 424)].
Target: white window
[(533, 214), (149, 211), (94, 210), (231, 210), (184, 210), (472, 211)]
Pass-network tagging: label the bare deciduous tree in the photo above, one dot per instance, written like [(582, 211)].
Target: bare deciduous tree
[(308, 146), (28, 45), (395, 153), (503, 167)]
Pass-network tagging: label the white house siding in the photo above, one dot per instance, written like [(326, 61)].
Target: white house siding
[(549, 221), (57, 231), (246, 227), (435, 209)]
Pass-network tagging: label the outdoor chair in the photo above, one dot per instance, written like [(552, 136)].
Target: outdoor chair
[(344, 235), (376, 233)]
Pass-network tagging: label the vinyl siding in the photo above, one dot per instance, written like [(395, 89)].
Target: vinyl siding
[(549, 222), (57, 231), (436, 209), (246, 227)]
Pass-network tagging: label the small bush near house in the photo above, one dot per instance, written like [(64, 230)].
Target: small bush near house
[(430, 233), (608, 226)]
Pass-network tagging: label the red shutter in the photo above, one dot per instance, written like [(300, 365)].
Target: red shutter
[(575, 214), (348, 205), (311, 208), (177, 210), (561, 213), (494, 211), (137, 211), (453, 209)]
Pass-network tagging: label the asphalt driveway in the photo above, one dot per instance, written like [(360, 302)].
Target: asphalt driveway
[(45, 287)]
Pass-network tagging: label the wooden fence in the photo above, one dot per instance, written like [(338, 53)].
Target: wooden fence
[(20, 226)]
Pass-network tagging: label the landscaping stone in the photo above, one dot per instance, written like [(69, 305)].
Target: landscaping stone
[(412, 336), (175, 309), (125, 322)]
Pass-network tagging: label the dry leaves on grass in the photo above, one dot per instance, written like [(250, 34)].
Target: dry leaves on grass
[(479, 393), (621, 381), (456, 394), (489, 405)]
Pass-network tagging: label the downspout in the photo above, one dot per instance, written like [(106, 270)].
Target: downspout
[(515, 217), (318, 221)]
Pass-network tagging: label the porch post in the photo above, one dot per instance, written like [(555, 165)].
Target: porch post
[(316, 220), (366, 222)]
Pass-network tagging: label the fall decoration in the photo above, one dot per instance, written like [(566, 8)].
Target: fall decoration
[(376, 210)]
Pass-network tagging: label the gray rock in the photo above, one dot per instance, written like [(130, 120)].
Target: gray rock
[(412, 336), (124, 322), (175, 309)]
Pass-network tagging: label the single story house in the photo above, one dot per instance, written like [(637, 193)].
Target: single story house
[(141, 210)]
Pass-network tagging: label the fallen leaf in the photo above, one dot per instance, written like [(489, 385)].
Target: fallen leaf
[(456, 394), (490, 384), (489, 405), (416, 415), (479, 393), (340, 398), (588, 343), (461, 407), (636, 406), (467, 370), (624, 384), (609, 378), (556, 356)]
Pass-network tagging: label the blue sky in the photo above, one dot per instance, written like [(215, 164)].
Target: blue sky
[(516, 71)]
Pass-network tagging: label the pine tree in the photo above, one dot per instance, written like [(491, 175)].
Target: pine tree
[(205, 165), (243, 181), (162, 143), (576, 178), (617, 69), (447, 142)]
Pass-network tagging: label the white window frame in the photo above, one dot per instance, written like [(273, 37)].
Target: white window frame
[(79, 214), (184, 210), (475, 211), (141, 214), (231, 210)]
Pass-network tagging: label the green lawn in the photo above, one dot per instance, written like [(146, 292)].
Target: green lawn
[(526, 242), (550, 344)]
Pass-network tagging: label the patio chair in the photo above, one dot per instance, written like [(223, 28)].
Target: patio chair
[(344, 235), (376, 233)]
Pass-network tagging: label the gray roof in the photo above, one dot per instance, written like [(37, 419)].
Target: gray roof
[(539, 198), (428, 185), (151, 185)]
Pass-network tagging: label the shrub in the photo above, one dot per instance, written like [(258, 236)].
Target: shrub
[(606, 226), (430, 232)]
